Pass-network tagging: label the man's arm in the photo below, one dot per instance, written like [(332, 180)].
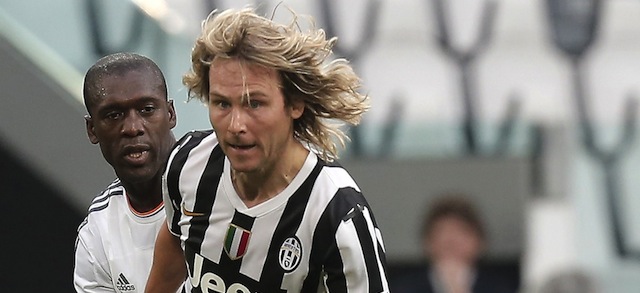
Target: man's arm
[(168, 271), (89, 275), (356, 263)]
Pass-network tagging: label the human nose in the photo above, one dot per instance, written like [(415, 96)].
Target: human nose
[(237, 124), (133, 125)]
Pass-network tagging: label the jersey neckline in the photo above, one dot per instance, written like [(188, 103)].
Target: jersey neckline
[(143, 217), (274, 202)]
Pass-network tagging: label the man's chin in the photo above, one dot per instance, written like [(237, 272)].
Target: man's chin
[(245, 166), (137, 175)]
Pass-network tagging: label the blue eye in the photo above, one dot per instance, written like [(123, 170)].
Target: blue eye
[(222, 104), (253, 104)]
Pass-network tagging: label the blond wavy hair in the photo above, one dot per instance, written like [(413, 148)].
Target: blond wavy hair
[(329, 89)]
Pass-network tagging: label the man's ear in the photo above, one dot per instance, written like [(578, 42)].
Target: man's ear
[(91, 133), (297, 108), (173, 119)]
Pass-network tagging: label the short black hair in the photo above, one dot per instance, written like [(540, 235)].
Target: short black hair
[(117, 64)]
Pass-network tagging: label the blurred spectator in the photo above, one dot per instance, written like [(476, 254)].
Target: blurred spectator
[(571, 281), (453, 239)]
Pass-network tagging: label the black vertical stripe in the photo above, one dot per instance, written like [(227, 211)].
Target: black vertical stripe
[(173, 174), (245, 222), (382, 255), (325, 255), (368, 245), (334, 268), (205, 196), (272, 273)]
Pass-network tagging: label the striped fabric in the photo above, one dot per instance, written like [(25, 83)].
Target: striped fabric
[(317, 235)]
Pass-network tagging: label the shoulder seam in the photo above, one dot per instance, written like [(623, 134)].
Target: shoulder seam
[(101, 202)]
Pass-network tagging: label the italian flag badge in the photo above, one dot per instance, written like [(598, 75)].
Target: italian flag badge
[(236, 241)]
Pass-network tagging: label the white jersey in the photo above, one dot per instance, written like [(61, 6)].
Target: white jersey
[(114, 248)]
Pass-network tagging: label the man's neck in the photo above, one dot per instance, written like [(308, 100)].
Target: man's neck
[(257, 187), (143, 197)]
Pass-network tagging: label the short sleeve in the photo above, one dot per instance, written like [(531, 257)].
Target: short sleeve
[(89, 274), (356, 258)]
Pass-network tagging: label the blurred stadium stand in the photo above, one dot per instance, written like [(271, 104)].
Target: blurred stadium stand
[(544, 197)]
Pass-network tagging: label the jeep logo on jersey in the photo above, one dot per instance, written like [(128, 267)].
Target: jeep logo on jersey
[(290, 254), (236, 241), (211, 282)]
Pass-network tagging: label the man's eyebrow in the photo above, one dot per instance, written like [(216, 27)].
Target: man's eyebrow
[(108, 108), (256, 93), (146, 99), (253, 93), (214, 95)]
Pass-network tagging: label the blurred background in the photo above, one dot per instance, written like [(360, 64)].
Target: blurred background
[(528, 106)]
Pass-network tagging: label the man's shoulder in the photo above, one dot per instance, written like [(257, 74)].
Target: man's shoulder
[(198, 133), (194, 137), (201, 141), (340, 190), (103, 204), (334, 176), (100, 202)]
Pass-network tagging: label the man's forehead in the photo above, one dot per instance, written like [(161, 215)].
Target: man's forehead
[(133, 74), (231, 73), (118, 97), (240, 66)]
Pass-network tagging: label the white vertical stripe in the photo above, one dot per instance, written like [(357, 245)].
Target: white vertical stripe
[(379, 236), (233, 250), (376, 238), (355, 268), (219, 220), (263, 229)]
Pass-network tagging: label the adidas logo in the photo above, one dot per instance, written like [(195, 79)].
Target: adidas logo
[(123, 284)]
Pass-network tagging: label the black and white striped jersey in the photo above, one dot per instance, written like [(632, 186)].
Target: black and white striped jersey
[(317, 235)]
